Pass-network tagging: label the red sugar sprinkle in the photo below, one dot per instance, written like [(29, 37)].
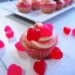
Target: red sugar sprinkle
[(40, 67), (56, 53), (19, 46), (14, 70)]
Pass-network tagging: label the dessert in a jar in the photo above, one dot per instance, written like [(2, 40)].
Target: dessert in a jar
[(39, 40)]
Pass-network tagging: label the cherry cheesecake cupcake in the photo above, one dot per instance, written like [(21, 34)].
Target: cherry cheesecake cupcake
[(48, 6), (24, 7), (39, 40), (60, 4)]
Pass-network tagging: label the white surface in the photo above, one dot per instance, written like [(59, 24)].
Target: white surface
[(65, 66), (40, 17)]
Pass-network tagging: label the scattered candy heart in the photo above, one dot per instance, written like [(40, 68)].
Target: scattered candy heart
[(2, 44), (40, 67), (45, 31), (73, 32), (67, 30), (19, 46), (14, 70), (9, 34), (56, 53), (7, 28)]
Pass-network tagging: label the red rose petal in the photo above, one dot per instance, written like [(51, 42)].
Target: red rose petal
[(7, 28), (67, 30), (1, 44), (40, 67), (19, 46), (14, 70), (9, 34), (73, 32), (56, 53)]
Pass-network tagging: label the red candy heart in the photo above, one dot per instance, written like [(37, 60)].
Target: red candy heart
[(40, 67), (33, 34), (67, 30), (50, 26), (9, 34), (73, 32), (45, 31), (14, 70), (1, 44), (7, 28), (56, 53), (19, 46)]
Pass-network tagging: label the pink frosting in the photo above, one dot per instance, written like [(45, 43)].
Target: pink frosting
[(22, 5), (48, 5)]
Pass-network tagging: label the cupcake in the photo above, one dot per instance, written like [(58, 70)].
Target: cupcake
[(71, 1), (35, 4), (39, 40), (60, 4), (67, 2), (23, 7), (48, 6)]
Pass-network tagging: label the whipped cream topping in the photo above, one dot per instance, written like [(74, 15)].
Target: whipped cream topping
[(42, 39), (43, 42), (44, 46)]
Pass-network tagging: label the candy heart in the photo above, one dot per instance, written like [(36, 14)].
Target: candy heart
[(33, 34), (19, 46), (45, 31), (50, 26), (1, 44), (9, 34), (7, 28), (14, 70), (73, 32), (56, 53), (40, 67), (67, 30)]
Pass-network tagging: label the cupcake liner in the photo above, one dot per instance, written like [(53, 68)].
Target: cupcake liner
[(24, 10)]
